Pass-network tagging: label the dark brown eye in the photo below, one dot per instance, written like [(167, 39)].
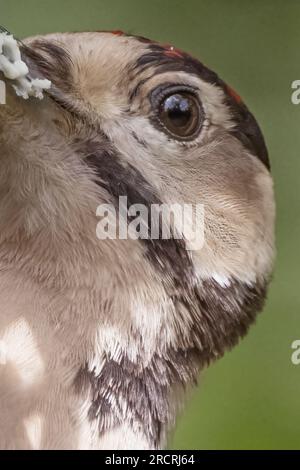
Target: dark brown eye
[(181, 115)]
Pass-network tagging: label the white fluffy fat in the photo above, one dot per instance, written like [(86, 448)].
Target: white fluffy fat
[(13, 68)]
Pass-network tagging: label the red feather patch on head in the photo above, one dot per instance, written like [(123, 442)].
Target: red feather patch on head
[(233, 94), (117, 32), (172, 51)]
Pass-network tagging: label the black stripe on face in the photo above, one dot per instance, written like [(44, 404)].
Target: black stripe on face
[(169, 256), (145, 391), (221, 315), (246, 128), (145, 395), (47, 59)]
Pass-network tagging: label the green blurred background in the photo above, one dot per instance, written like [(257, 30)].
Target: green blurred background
[(251, 398)]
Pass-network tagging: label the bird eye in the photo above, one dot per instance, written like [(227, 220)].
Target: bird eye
[(180, 113)]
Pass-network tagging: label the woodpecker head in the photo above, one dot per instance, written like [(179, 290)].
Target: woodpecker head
[(129, 117)]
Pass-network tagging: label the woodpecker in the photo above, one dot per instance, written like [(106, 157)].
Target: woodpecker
[(101, 339)]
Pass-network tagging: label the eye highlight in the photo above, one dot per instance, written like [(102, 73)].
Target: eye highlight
[(179, 112)]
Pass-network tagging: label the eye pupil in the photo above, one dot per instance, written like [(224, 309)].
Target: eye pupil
[(179, 113), (177, 110)]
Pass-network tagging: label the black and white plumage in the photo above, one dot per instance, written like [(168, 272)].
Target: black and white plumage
[(101, 338)]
